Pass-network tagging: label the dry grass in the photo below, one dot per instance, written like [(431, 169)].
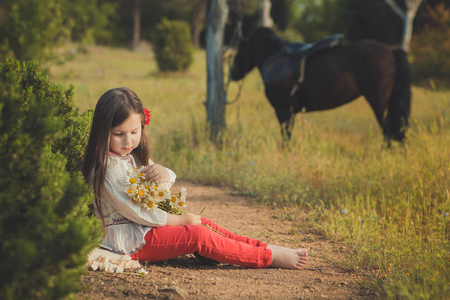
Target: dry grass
[(390, 205)]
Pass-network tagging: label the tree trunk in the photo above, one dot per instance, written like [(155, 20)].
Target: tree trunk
[(216, 15), (266, 20), (198, 16), (407, 32), (137, 24), (407, 17)]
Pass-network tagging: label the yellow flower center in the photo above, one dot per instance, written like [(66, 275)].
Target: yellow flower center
[(132, 180), (181, 204), (141, 193), (147, 187), (140, 175), (130, 191), (152, 193), (150, 204), (161, 194), (174, 199)]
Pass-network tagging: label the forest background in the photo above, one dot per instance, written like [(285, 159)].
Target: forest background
[(31, 29), (390, 205)]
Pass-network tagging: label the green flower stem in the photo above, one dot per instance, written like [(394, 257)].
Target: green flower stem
[(213, 229)]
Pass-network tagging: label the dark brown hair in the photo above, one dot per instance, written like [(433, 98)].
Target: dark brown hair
[(112, 109)]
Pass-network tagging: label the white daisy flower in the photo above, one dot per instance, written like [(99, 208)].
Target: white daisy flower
[(149, 195), (162, 192), (150, 205), (182, 204), (183, 194), (131, 190)]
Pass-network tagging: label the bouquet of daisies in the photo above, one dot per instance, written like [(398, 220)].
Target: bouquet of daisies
[(149, 195)]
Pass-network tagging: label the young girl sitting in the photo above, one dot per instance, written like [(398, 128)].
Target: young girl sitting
[(118, 142)]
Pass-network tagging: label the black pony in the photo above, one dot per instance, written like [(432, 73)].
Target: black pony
[(332, 78)]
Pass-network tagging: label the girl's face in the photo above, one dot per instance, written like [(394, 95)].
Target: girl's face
[(126, 136)]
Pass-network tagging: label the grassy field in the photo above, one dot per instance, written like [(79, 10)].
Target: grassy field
[(390, 205)]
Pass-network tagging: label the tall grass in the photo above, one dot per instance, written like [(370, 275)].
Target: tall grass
[(390, 205)]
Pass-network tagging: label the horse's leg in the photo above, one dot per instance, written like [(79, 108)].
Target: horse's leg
[(286, 119), (281, 101), (378, 103), (377, 88)]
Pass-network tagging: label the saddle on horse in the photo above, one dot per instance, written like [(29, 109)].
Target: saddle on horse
[(286, 68)]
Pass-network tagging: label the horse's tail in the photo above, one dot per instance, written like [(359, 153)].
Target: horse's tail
[(399, 108)]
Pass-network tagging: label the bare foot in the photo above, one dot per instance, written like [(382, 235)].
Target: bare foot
[(288, 258)]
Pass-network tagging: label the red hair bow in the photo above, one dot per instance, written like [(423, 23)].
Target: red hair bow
[(147, 116)]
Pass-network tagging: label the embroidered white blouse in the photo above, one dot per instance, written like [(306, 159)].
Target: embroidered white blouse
[(126, 223)]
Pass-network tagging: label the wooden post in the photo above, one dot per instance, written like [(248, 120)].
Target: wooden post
[(137, 24), (216, 15), (407, 17), (264, 8)]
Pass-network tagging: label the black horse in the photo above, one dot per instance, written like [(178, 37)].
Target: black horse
[(331, 78)]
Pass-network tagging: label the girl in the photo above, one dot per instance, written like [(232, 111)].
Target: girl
[(118, 142)]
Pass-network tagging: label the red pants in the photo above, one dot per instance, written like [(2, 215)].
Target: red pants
[(167, 242)]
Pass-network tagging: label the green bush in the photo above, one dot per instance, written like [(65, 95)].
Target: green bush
[(91, 20), (29, 28), (45, 231), (173, 46), (34, 82), (429, 48), (72, 139)]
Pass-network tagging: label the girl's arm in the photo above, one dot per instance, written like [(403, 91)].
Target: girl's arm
[(115, 196), (180, 220)]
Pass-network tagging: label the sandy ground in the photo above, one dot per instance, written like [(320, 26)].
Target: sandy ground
[(187, 277)]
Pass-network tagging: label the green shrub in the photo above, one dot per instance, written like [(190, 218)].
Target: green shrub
[(430, 50), (173, 46), (45, 231), (72, 139), (91, 20), (34, 82), (29, 28)]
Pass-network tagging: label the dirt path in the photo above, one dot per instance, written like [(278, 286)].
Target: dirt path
[(187, 278)]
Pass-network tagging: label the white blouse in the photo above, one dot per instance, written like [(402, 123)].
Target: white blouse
[(126, 223)]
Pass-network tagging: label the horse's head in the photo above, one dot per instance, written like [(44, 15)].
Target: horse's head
[(261, 44), (242, 63)]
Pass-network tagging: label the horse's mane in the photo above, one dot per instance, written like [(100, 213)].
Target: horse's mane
[(266, 36), (264, 42)]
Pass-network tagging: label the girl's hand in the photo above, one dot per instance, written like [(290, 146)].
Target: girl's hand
[(156, 173), (186, 219), (191, 219)]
